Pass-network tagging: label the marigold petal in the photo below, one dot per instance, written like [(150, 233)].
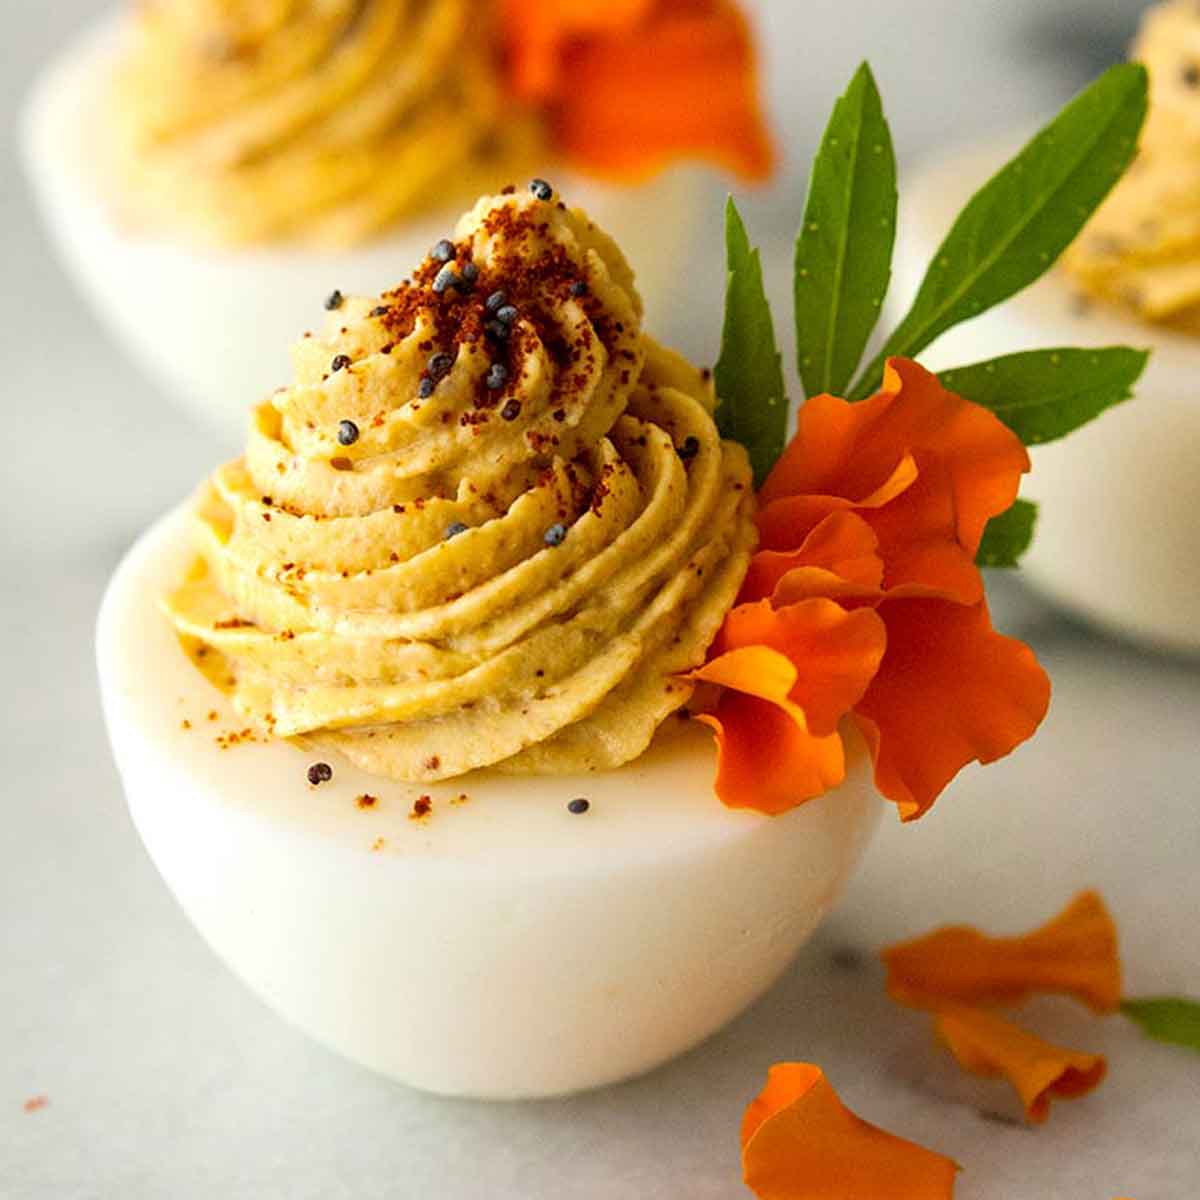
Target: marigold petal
[(783, 524), (799, 1142), (857, 452), (985, 459), (1074, 954), (804, 583), (684, 83), (756, 670), (986, 1044), (537, 32), (949, 691), (817, 459), (917, 534), (833, 653), (766, 758), (842, 544)]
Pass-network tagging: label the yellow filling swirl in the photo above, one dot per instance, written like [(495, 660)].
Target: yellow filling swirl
[(489, 523), (322, 120), (1142, 249)]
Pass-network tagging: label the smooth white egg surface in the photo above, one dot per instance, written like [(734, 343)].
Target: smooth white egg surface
[(499, 946), (214, 325), (1117, 540)]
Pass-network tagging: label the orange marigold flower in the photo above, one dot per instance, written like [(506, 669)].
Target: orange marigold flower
[(988, 1045), (880, 506), (1074, 954), (799, 1142), (630, 85)]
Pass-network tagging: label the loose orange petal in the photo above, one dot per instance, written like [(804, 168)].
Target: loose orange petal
[(843, 545), (766, 758), (632, 88), (950, 690), (988, 1045), (1075, 954), (799, 1142)]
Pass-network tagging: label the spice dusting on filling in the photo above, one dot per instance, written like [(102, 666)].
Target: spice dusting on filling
[(487, 576)]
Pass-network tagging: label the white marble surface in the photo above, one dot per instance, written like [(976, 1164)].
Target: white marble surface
[(164, 1078)]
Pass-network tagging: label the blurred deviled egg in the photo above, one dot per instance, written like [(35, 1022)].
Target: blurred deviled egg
[(212, 169), (1117, 541)]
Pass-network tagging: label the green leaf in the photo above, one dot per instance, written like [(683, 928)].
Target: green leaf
[(1018, 223), (1007, 537), (1043, 394), (1167, 1019), (749, 373), (844, 249)]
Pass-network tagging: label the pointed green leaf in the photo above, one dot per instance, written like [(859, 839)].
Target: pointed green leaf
[(1016, 226), (749, 374), (844, 249), (1167, 1019), (1007, 537), (1043, 394)]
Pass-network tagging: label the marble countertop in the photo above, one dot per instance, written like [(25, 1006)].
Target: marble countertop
[(164, 1077)]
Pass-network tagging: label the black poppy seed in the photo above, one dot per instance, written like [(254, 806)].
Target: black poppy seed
[(320, 772), (497, 376), (454, 529), (425, 387), (578, 806), (494, 301), (442, 251), (555, 535), (579, 288), (689, 449), (379, 310), (340, 363), (511, 411), (470, 272), (507, 313), (497, 330), (334, 300), (439, 364), (541, 189), (347, 433), (445, 279)]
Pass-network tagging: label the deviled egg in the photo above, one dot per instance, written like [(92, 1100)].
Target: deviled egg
[(399, 699)]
